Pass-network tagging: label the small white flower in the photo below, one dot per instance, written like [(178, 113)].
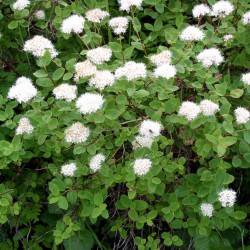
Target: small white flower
[(102, 79), (68, 169), (40, 14), (96, 15), (89, 103), (208, 108), (126, 5), (209, 57), (65, 92), (246, 18), (200, 10), (21, 4), (38, 46), (24, 127), (142, 166), (245, 78), (99, 55), (207, 209), (131, 71), (23, 90), (150, 128), (222, 8), (227, 197), (228, 37), (84, 69), (161, 58), (142, 141), (165, 71), (77, 133), (242, 115), (192, 33), (73, 24), (96, 162), (190, 110), (119, 25)]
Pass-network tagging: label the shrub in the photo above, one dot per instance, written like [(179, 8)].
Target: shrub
[(124, 124)]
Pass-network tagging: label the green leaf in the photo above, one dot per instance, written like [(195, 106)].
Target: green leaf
[(44, 82), (236, 93), (63, 203), (58, 74)]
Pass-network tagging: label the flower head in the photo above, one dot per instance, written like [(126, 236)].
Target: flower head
[(96, 162), (207, 209), (246, 18), (142, 166), (84, 69), (65, 92), (227, 197), (208, 108), (161, 58), (142, 141), (96, 15), (200, 10), (150, 128), (73, 24), (228, 37), (77, 133), (166, 71), (99, 55), (126, 5), (209, 57), (242, 115), (38, 45), (21, 4), (190, 110), (192, 33), (89, 103), (131, 71), (68, 169), (23, 90), (102, 79), (119, 25), (222, 8), (245, 78), (40, 14), (24, 127)]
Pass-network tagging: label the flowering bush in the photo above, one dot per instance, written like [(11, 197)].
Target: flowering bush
[(125, 124)]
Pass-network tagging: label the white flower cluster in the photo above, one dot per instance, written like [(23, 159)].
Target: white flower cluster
[(24, 127), (76, 133), (102, 79), (38, 46), (208, 108), (200, 10), (96, 162), (68, 170), (142, 166), (99, 55), (119, 25), (65, 92), (228, 37), (89, 103), (21, 4), (126, 5), (142, 141), (246, 18), (222, 9), (73, 24), (131, 71), (96, 15), (245, 78), (166, 71), (192, 33), (161, 58), (84, 69), (242, 115), (209, 57), (207, 209), (190, 110), (23, 90), (227, 197), (40, 14)]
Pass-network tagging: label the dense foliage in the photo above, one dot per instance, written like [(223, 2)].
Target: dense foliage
[(160, 163)]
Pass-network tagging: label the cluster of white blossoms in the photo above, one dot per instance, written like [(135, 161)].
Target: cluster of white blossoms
[(192, 33), (131, 71), (68, 170), (38, 45), (84, 69), (207, 209), (126, 5), (208, 108), (200, 10), (222, 9), (40, 14), (96, 15), (245, 78), (228, 37), (119, 25), (21, 4), (242, 115), (246, 18), (161, 58), (209, 57), (99, 55), (227, 197), (73, 24), (24, 127), (102, 79), (77, 133), (89, 103), (190, 110), (96, 162), (142, 166), (65, 92), (23, 90), (166, 71)]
